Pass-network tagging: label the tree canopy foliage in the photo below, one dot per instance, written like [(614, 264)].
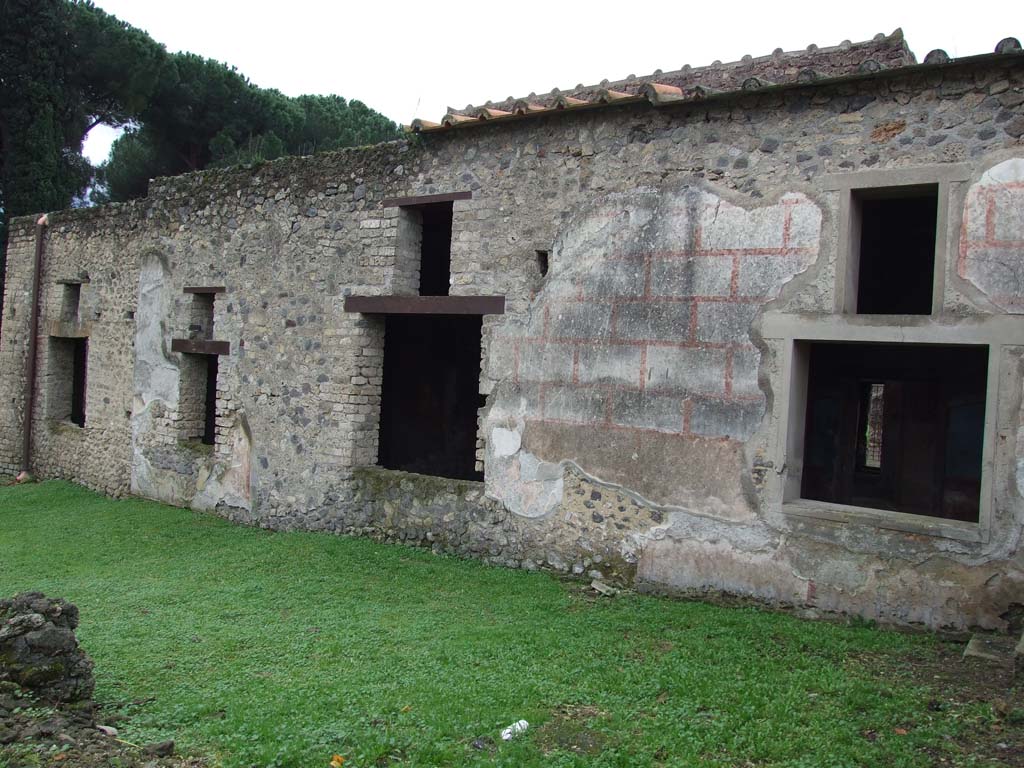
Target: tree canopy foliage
[(67, 66), (204, 114)]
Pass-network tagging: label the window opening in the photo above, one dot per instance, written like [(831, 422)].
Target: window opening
[(430, 394), (909, 439), (200, 322), (209, 436), (542, 263), (435, 248), (897, 250), (70, 302), (872, 415), (68, 378), (197, 397), (79, 376)]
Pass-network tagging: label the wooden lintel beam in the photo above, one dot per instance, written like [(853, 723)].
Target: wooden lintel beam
[(426, 305), (201, 346), (445, 197)]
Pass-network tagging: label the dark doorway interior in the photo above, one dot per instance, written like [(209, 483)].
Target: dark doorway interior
[(436, 249), (430, 395), (79, 368), (210, 412), (897, 251), (896, 427)]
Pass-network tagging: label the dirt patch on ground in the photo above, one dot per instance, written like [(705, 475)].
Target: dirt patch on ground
[(993, 733), (570, 729), (34, 734)]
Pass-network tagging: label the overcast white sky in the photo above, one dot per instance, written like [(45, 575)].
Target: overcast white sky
[(413, 59)]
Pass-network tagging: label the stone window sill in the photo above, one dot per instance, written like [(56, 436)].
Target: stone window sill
[(881, 518)]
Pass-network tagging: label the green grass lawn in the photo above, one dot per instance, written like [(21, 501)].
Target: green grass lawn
[(271, 649)]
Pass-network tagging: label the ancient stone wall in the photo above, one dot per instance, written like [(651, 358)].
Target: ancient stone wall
[(633, 392), (88, 252)]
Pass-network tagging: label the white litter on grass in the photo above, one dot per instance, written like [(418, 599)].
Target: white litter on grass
[(514, 730)]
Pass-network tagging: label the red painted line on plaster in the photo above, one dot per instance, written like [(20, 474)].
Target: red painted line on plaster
[(606, 341), (720, 253), (990, 215), (643, 368), (729, 299), (994, 243), (717, 397), (576, 364), (647, 276), (787, 226), (734, 277), (728, 372), (1005, 185), (961, 259), (666, 299), (613, 426)]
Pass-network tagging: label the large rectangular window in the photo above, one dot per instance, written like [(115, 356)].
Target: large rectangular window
[(896, 427), (431, 395)]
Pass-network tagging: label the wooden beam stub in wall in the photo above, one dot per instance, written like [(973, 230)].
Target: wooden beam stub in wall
[(426, 305), (445, 197), (201, 346)]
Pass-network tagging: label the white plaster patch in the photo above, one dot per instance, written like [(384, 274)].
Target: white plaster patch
[(1006, 172), (527, 486), (230, 482), (505, 442)]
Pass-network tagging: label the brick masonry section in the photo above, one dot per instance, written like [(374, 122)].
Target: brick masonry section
[(992, 239)]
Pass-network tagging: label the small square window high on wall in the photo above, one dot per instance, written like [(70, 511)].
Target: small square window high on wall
[(896, 249)]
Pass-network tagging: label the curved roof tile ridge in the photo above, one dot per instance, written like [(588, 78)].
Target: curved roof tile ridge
[(882, 52)]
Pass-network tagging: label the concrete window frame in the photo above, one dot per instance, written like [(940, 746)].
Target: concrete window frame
[(848, 185), (796, 334)]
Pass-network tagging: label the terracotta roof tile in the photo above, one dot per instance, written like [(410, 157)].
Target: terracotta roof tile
[(567, 102), (694, 83), (488, 113), (523, 107), (608, 96)]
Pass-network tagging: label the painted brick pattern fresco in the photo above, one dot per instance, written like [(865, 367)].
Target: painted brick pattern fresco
[(992, 239), (642, 337), (645, 323)]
